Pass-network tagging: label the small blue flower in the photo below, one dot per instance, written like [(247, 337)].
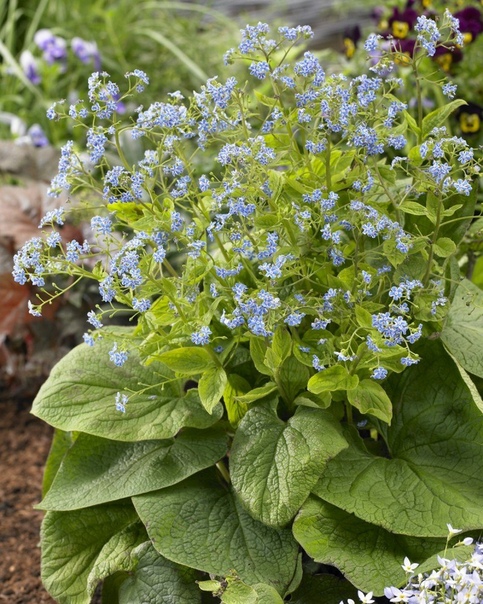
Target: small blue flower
[(202, 336)]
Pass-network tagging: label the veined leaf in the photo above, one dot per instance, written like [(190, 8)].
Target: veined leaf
[(463, 329), (274, 465), (187, 361), (158, 580), (71, 543), (369, 556), (333, 378), (211, 387), (96, 470), (200, 523), (437, 118), (436, 445), (370, 397), (80, 395)]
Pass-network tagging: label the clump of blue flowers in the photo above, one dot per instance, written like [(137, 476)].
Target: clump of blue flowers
[(298, 218)]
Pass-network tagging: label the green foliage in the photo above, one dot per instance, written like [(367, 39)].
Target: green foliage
[(301, 374)]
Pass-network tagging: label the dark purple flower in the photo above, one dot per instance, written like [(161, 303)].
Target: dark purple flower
[(401, 23), (37, 136), (404, 49), (470, 118), (446, 57), (29, 66), (352, 35), (87, 52), (471, 24), (54, 48)]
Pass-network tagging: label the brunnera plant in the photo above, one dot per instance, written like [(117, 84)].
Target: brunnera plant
[(292, 411)]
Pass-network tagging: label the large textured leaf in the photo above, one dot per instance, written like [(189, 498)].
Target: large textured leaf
[(436, 445), (200, 523), (97, 470), (71, 543), (369, 556), (159, 581), (80, 395), (274, 465), (463, 330)]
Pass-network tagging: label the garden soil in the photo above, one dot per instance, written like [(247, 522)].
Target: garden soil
[(24, 446)]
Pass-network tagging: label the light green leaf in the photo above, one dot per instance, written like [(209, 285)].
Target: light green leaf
[(159, 581), (363, 316), (274, 465), (436, 445), (236, 387), (413, 207), (187, 361), (200, 523), (211, 387), (97, 470), (281, 344), (292, 378), (257, 393), (71, 543), (437, 118), (470, 384), (444, 247), (237, 592), (258, 349), (368, 556), (334, 589), (80, 395), (463, 329), (370, 397), (412, 123), (334, 378)]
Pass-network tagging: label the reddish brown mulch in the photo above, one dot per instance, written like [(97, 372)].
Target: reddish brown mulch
[(24, 445)]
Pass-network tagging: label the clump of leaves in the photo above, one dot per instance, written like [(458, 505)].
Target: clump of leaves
[(298, 375)]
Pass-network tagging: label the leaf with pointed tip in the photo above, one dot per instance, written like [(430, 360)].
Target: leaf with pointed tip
[(274, 464), (200, 523), (333, 378), (80, 395), (436, 443), (211, 386), (370, 397), (97, 470), (367, 555)]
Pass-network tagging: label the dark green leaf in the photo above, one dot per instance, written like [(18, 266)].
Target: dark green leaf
[(369, 556), (71, 543), (200, 523), (97, 470), (463, 329), (436, 445)]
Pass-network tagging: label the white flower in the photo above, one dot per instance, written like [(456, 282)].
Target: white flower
[(365, 599), (452, 531), (407, 566)]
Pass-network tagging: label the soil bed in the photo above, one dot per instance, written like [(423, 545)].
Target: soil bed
[(24, 446)]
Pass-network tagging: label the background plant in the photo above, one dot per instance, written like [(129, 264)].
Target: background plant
[(299, 371)]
